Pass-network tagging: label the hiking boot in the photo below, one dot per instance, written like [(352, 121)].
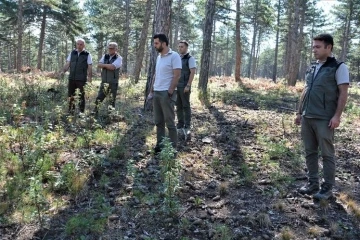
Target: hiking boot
[(187, 133), (157, 149), (324, 194), (309, 188)]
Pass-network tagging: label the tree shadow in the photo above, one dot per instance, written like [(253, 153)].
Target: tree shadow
[(111, 184)]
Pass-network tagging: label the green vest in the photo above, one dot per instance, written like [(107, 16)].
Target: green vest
[(78, 66), (185, 71), (321, 92), (109, 76)]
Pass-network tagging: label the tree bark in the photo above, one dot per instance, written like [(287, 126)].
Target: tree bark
[(238, 43), (20, 35), (346, 36), (274, 75), (142, 42), (177, 24), (205, 56), (253, 42), (42, 37), (126, 37), (161, 24), (295, 41)]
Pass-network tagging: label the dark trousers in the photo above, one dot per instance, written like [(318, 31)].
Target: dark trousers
[(183, 110), (317, 135), (72, 86), (105, 89), (164, 114)]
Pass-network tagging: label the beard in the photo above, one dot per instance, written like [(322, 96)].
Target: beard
[(160, 49)]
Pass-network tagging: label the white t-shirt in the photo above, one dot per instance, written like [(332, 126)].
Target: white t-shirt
[(89, 58), (117, 63), (192, 63), (341, 75), (165, 64)]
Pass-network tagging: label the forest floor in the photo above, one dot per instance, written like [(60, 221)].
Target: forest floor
[(236, 178)]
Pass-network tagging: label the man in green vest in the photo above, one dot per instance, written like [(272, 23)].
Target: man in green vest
[(110, 72), (321, 105), (79, 62), (183, 110)]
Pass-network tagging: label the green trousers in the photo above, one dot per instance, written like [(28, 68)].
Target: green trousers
[(164, 113), (183, 110), (317, 136)]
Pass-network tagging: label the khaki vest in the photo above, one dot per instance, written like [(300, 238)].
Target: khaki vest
[(108, 76), (321, 91)]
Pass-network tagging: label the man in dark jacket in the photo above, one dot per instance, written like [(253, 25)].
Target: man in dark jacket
[(321, 105), (110, 72), (79, 62), (183, 110)]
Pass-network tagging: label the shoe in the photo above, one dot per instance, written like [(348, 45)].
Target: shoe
[(309, 188), (325, 193), (180, 130), (157, 149), (187, 133)]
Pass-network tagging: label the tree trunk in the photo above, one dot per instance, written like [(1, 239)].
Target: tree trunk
[(253, 42), (161, 24), (177, 24), (126, 37), (213, 59), (274, 75), (206, 50), (20, 34), (42, 37), (142, 42), (238, 43), (295, 38), (256, 56), (347, 30)]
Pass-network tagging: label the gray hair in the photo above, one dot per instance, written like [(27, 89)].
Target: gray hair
[(81, 40), (114, 44)]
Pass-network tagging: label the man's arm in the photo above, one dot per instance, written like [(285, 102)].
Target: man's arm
[(297, 120), (152, 84), (89, 73), (109, 66), (66, 67), (174, 81), (343, 94), (192, 74)]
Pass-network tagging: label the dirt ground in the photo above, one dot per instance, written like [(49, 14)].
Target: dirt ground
[(239, 176)]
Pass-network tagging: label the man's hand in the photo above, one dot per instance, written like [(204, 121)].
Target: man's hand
[(334, 122), (170, 93), (150, 96), (297, 120), (187, 89)]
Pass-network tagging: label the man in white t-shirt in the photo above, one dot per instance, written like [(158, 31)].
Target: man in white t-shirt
[(167, 74), (110, 73), (321, 105)]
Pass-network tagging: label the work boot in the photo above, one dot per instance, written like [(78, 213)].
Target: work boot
[(187, 133), (157, 149), (309, 188), (325, 192)]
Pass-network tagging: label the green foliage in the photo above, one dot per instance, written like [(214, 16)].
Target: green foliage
[(246, 176), (222, 232), (353, 109), (85, 224), (170, 170)]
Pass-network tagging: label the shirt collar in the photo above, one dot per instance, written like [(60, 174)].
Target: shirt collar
[(169, 52)]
